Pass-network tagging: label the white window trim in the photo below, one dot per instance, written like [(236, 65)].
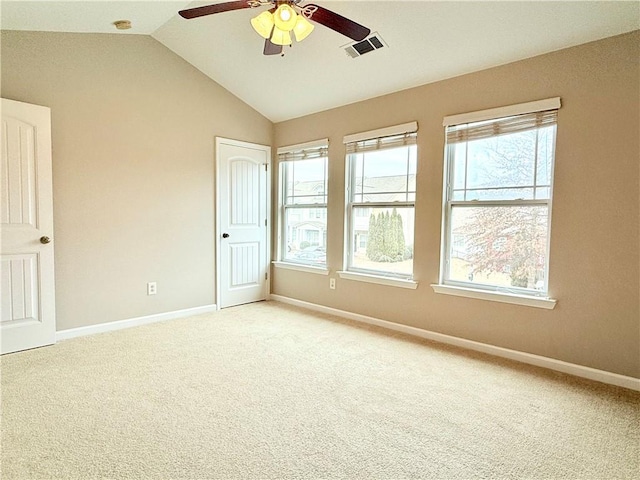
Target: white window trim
[(323, 142), (301, 268), (282, 207), (381, 132), (378, 279), (507, 111), (526, 300), (496, 295)]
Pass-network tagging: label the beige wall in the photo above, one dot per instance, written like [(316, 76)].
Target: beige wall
[(133, 155), (594, 265), (133, 141)]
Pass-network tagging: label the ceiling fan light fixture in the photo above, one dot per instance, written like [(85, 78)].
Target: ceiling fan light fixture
[(302, 28), (280, 37), (285, 17), (263, 24)]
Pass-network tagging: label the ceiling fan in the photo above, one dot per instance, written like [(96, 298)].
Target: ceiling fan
[(285, 16)]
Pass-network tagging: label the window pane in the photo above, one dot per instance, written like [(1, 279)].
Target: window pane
[(383, 240), (306, 235), (503, 161), (497, 168), (306, 181), (358, 163), (384, 171), (499, 246), (459, 165), (546, 142), (543, 193), (458, 195)]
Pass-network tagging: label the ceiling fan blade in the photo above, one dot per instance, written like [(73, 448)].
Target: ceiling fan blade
[(216, 8), (271, 48), (338, 23)]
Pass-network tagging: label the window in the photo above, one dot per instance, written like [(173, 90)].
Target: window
[(498, 190), (381, 198), (303, 206)]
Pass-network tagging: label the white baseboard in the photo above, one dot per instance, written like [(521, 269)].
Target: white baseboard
[(529, 358), (132, 322)]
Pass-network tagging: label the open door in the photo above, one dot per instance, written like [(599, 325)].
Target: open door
[(27, 288)]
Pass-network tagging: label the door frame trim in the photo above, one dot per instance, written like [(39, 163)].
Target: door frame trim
[(267, 150)]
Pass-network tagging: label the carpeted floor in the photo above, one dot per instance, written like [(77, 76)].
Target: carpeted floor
[(272, 391)]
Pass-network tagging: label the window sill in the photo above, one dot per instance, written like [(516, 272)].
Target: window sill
[(301, 268), (538, 302), (380, 280)]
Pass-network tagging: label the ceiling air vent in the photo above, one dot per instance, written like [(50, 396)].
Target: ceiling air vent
[(371, 43)]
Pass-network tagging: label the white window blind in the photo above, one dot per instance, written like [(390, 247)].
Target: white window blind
[(388, 137), (503, 112), (381, 143), (304, 151), (501, 126)]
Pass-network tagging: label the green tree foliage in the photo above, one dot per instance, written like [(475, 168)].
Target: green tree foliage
[(400, 245), (372, 243), (386, 241)]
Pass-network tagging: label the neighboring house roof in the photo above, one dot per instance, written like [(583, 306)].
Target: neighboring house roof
[(314, 188), (315, 225), (374, 189)]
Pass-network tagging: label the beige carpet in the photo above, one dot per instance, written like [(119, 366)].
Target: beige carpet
[(271, 391)]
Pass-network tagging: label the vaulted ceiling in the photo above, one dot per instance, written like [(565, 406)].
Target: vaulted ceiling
[(426, 41)]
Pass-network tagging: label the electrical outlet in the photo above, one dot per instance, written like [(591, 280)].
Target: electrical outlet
[(332, 283), (152, 288)]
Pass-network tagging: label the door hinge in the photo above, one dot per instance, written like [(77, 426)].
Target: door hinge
[(266, 165), (265, 222), (266, 276)]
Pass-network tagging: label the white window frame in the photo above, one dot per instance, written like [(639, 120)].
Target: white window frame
[(389, 137), (511, 295), (286, 155)]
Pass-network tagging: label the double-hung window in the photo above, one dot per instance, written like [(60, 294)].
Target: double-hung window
[(498, 191), (381, 194), (303, 204)]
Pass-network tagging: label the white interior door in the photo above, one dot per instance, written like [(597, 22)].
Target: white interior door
[(27, 288), (243, 219)]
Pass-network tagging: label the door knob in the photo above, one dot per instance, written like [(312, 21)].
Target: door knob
[(45, 240), (225, 235)]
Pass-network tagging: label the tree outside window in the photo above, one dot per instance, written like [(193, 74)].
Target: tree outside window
[(381, 204), (498, 202)]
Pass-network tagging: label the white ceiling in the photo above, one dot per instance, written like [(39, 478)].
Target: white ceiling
[(427, 41)]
